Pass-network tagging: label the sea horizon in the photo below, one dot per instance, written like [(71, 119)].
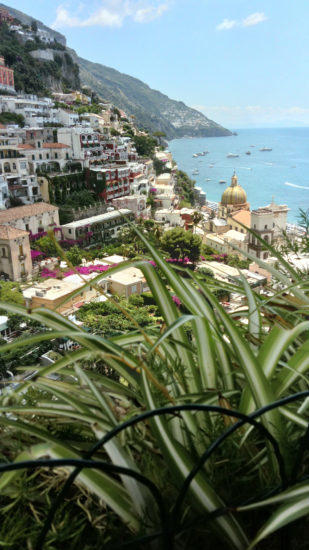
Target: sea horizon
[(281, 174)]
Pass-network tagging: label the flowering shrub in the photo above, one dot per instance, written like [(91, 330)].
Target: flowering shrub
[(68, 242), (219, 257), (83, 270), (49, 274), (34, 236), (178, 261), (86, 270), (176, 300), (36, 254)]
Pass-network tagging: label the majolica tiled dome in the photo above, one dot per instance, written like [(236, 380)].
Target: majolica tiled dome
[(234, 194)]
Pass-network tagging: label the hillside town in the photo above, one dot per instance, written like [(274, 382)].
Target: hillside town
[(153, 342), (58, 151)]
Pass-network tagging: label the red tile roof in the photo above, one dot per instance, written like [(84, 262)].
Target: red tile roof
[(7, 232), (25, 146), (23, 211)]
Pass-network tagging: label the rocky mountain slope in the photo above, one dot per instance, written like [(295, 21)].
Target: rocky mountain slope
[(153, 110)]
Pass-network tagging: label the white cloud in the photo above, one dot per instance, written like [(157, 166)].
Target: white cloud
[(111, 13), (144, 15), (249, 21), (226, 25), (253, 19)]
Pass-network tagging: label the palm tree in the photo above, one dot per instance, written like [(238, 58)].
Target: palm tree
[(196, 217)]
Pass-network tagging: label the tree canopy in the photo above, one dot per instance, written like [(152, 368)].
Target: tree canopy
[(145, 145), (181, 244)]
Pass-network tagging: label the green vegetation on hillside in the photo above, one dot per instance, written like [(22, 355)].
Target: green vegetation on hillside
[(32, 75), (185, 187), (147, 105), (12, 118)]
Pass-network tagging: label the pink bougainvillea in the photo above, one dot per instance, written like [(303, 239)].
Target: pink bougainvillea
[(176, 300), (49, 274), (82, 269), (36, 253)]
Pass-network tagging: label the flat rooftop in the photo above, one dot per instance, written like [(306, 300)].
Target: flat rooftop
[(100, 218)]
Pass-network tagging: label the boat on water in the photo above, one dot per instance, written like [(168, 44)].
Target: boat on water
[(266, 149), (208, 179), (195, 172), (195, 155), (232, 155), (222, 181), (211, 165), (248, 152)]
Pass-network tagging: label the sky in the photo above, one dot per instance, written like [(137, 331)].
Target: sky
[(243, 63)]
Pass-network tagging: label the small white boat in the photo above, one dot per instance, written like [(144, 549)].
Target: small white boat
[(232, 156), (208, 179), (195, 172), (195, 155)]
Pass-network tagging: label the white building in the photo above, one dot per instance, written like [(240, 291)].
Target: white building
[(15, 171), (169, 216), (85, 144), (35, 218), (268, 223), (97, 229), (136, 203), (66, 117), (36, 111)]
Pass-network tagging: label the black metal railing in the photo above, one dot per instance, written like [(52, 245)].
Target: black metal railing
[(170, 520)]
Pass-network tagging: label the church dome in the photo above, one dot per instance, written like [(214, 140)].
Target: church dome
[(234, 194)]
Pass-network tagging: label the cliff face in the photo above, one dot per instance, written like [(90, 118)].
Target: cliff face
[(152, 109), (38, 68)]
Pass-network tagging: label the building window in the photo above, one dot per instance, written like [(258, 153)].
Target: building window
[(21, 250), (70, 231), (265, 226), (274, 224), (56, 155), (40, 156), (133, 288), (47, 156), (39, 144), (3, 252), (33, 157), (27, 227)]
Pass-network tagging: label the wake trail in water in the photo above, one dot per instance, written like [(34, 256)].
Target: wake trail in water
[(294, 185)]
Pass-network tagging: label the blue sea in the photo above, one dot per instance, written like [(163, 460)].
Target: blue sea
[(282, 173)]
